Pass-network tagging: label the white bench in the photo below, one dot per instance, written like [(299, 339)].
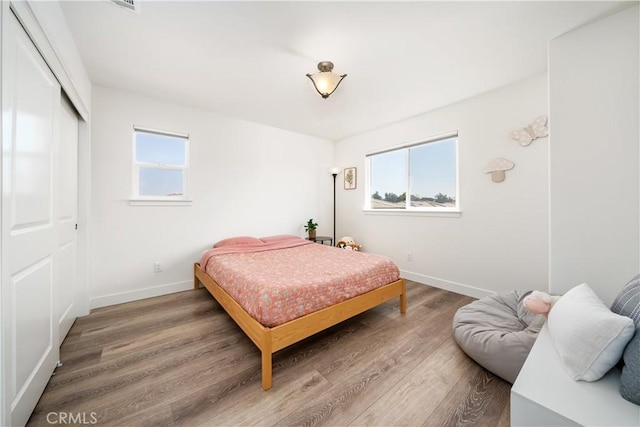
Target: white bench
[(544, 395)]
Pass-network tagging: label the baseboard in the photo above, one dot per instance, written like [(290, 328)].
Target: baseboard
[(138, 294), (169, 288), (458, 288)]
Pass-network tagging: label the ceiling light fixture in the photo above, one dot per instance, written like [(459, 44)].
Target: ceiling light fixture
[(325, 82)]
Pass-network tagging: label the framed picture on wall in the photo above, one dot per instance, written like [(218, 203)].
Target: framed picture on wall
[(350, 178)]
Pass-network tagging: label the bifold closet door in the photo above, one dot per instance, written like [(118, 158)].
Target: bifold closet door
[(29, 227)]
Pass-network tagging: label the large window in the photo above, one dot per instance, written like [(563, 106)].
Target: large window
[(420, 176), (161, 165)]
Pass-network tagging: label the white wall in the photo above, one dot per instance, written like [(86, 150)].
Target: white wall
[(594, 152), (247, 179), (500, 241)]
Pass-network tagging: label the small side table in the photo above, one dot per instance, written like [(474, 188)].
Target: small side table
[(321, 239)]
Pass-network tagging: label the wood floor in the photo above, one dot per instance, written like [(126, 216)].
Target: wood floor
[(180, 360)]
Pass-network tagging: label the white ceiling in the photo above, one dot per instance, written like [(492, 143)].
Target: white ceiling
[(249, 59)]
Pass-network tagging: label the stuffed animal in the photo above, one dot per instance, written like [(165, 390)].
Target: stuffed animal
[(540, 302), (348, 243)]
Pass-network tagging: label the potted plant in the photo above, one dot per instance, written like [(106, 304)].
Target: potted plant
[(311, 228)]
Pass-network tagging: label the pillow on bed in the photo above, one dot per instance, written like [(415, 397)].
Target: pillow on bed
[(279, 237), (242, 240), (589, 337)]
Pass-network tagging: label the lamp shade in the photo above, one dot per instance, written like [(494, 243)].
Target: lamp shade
[(326, 82)]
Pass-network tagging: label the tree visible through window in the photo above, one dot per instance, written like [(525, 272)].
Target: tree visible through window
[(161, 162), (427, 171)]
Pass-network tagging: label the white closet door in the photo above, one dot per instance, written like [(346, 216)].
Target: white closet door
[(66, 167), (29, 226)]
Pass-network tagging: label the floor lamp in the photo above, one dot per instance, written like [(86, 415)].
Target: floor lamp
[(334, 172)]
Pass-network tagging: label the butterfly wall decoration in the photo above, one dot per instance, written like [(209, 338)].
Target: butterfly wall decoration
[(526, 135)]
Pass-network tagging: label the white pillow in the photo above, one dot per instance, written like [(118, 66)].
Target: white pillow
[(589, 337)]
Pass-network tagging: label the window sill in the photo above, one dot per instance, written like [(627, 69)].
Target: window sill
[(402, 212), (156, 202)]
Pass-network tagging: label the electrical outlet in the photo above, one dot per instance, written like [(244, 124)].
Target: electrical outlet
[(409, 256), (157, 267)]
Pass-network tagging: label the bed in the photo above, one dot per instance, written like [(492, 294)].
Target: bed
[(283, 289)]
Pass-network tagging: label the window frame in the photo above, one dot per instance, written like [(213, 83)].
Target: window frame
[(408, 209), (144, 200)]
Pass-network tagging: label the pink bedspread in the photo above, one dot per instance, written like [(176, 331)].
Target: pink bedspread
[(280, 281)]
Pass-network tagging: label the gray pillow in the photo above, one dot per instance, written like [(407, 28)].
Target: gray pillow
[(630, 377), (627, 303)]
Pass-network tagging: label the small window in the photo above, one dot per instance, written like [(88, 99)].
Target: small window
[(420, 176), (161, 165)]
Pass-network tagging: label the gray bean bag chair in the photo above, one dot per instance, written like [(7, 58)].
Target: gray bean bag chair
[(498, 332)]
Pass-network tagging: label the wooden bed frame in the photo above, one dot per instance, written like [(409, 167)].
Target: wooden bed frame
[(270, 340)]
